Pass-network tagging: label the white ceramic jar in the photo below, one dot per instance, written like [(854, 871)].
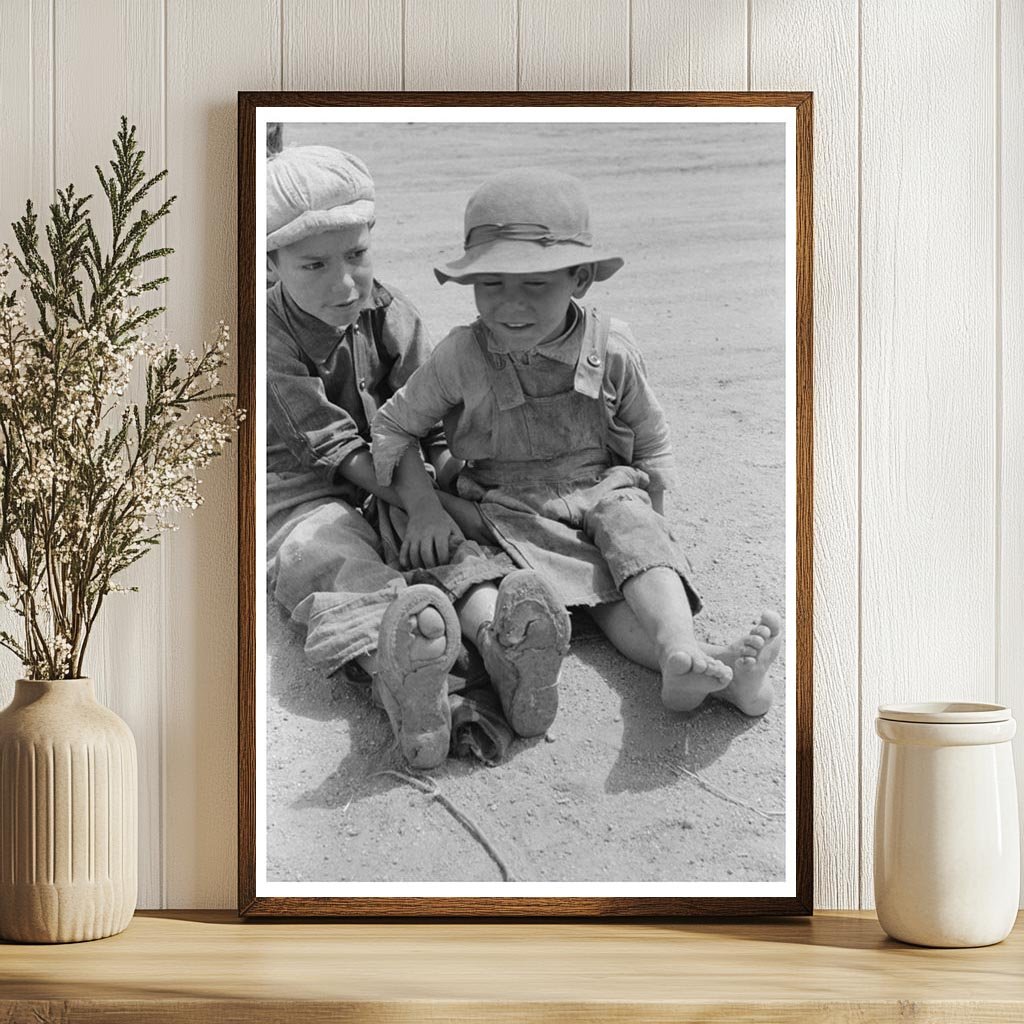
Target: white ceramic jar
[(947, 847)]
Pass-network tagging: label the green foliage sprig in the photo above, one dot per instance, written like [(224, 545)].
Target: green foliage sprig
[(89, 478)]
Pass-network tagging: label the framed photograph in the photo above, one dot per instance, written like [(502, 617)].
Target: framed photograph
[(525, 504)]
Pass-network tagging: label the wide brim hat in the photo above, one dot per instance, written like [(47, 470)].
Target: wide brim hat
[(312, 189), (527, 221)]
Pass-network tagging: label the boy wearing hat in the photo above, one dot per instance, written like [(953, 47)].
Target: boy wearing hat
[(339, 344), (565, 446)]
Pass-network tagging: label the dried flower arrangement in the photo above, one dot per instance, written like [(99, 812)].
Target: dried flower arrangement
[(89, 478)]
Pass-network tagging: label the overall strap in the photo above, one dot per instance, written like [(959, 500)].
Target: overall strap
[(591, 364)]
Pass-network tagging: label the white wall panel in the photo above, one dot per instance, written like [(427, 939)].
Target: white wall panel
[(573, 44), (919, 558), (690, 44), (814, 46), (26, 172), (342, 44), (928, 411), (213, 51), (460, 44), (126, 665), (1010, 315), (26, 106)]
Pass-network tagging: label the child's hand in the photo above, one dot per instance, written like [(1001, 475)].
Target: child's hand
[(430, 538), (467, 517)]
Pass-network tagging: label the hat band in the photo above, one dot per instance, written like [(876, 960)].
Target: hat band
[(482, 234)]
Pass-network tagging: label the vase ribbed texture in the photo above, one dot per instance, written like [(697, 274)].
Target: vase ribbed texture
[(68, 815)]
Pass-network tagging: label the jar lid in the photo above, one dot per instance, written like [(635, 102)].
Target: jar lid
[(945, 713)]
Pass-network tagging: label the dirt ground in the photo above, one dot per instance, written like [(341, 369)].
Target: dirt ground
[(620, 789)]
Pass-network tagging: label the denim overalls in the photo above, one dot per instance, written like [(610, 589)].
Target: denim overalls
[(553, 488)]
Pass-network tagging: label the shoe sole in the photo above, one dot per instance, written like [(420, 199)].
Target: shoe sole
[(415, 693), (531, 630)]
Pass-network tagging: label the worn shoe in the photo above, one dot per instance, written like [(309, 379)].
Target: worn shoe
[(414, 692), (523, 650)]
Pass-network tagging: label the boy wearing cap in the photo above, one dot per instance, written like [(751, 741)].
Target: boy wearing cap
[(565, 446), (339, 344)]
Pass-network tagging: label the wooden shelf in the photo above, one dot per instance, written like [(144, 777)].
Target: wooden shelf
[(208, 966)]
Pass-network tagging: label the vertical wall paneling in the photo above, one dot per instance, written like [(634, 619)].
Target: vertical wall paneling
[(26, 123), (814, 46), (574, 44), (213, 51), (26, 101), (689, 44), (919, 290), (1009, 180), (460, 44), (122, 657), (928, 538), (342, 44)]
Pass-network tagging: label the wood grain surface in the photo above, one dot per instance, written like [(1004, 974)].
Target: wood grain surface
[(928, 367), (130, 670), (779, 57), (212, 44), (690, 44), (199, 967), (574, 44), (347, 44), (467, 45), (1009, 315)]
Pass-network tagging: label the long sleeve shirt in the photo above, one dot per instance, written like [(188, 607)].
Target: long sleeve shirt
[(325, 384), (456, 386)]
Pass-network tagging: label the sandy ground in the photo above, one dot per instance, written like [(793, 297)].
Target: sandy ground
[(620, 789)]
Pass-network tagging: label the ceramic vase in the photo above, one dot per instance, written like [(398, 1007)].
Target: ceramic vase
[(68, 815), (947, 847)]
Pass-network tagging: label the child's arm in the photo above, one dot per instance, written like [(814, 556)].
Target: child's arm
[(319, 434), (431, 534), (639, 410), (409, 415), (446, 466)]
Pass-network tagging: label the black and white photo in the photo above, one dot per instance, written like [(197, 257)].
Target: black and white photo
[(526, 473)]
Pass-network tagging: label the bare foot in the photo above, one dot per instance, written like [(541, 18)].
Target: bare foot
[(428, 634), (751, 656), (688, 675), (426, 642)]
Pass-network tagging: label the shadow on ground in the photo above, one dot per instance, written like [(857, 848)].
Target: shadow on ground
[(657, 743), (619, 788)]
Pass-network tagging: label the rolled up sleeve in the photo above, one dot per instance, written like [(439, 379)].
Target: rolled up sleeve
[(319, 434), (411, 414), (641, 412), (406, 336)]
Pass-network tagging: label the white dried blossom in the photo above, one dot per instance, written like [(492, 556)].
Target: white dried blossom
[(101, 433)]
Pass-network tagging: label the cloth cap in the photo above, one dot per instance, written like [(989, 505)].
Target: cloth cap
[(527, 221), (312, 189)]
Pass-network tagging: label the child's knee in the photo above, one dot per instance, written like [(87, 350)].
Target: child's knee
[(622, 509)]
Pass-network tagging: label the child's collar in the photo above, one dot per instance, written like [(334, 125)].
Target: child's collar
[(591, 352), (317, 338)]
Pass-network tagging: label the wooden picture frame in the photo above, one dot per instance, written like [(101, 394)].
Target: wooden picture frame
[(793, 893)]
